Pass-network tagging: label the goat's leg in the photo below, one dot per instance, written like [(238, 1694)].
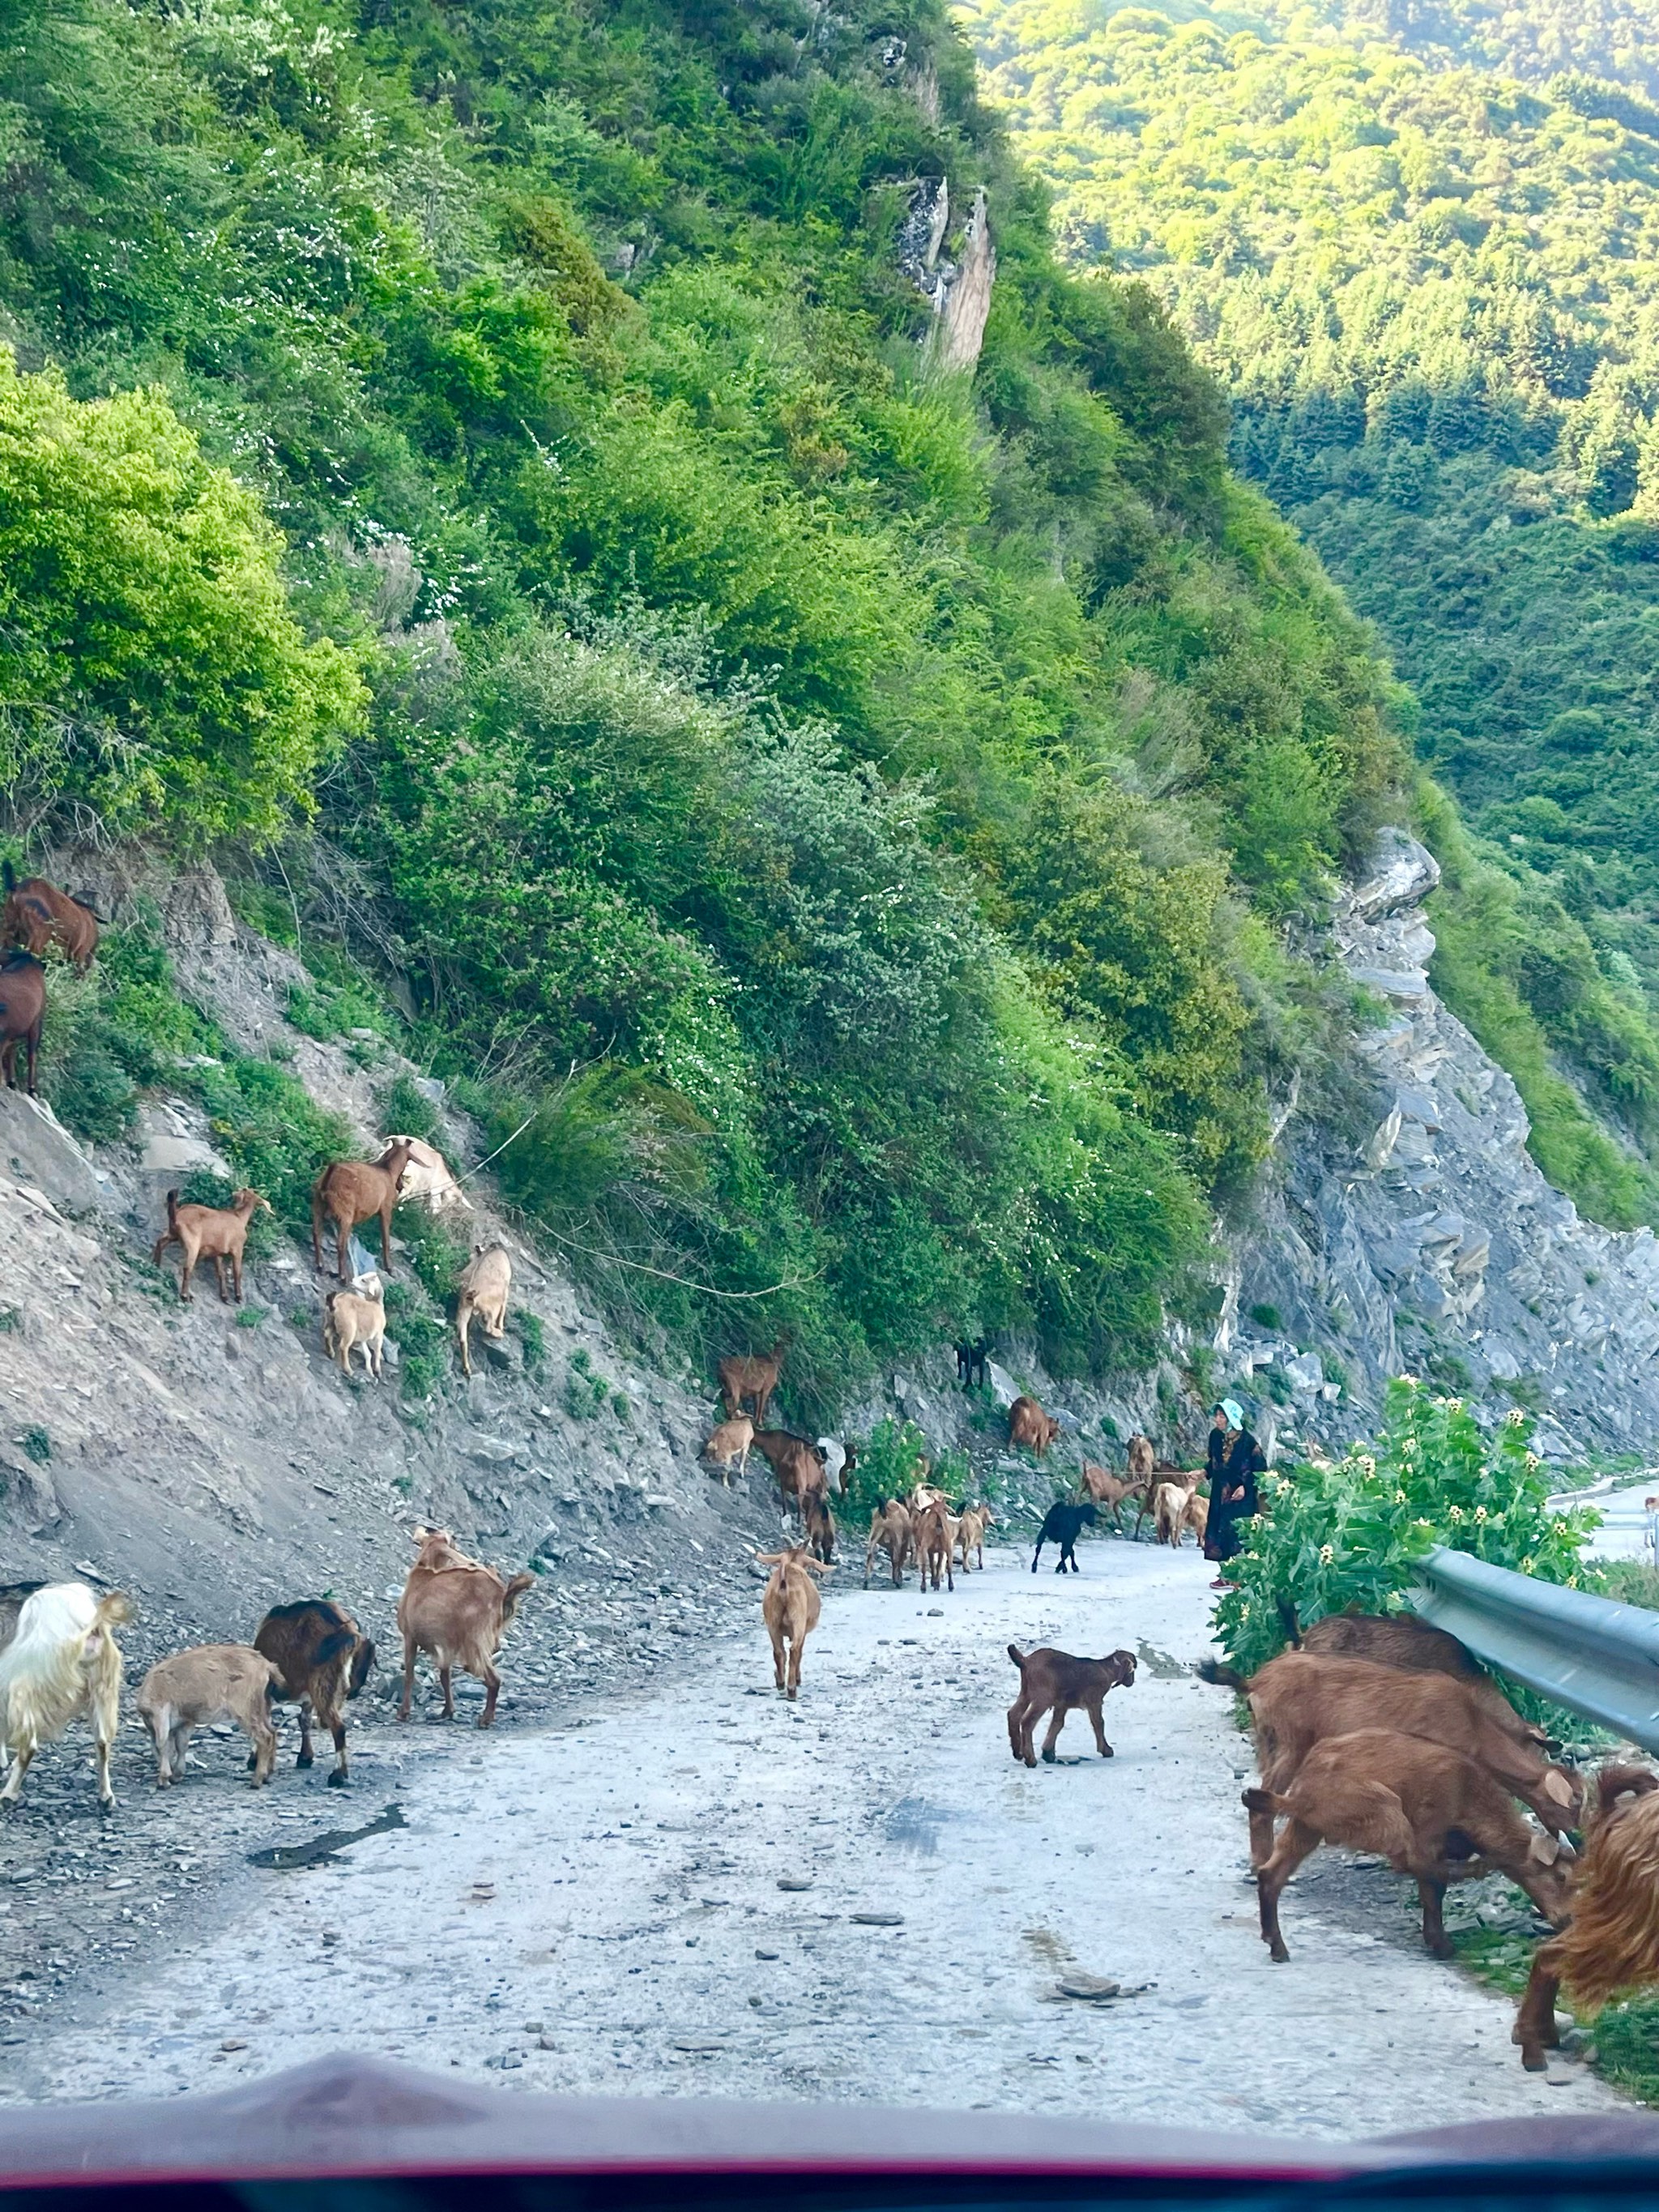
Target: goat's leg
[(308, 1757), (385, 1236), (219, 1278), (1101, 1744), (236, 1273), (409, 1678), (264, 1750), (8, 1063), (1262, 1833), (446, 1680), (1534, 2026), (794, 1666), (188, 1269), (492, 1682), (778, 1672), (178, 1737), (22, 1756), (100, 1758), (1431, 1895), (1056, 1722), (343, 1229), (464, 1330), (1037, 1555), (32, 1046), (340, 1773), (1013, 1725), (1297, 1843)]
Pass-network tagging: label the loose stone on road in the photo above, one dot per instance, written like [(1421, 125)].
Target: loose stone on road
[(699, 1889)]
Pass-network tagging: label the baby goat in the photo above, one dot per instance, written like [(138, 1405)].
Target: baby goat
[(1055, 1681)]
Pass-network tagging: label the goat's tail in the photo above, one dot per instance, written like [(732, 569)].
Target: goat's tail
[(1018, 1657), (111, 1612), (1226, 1678), (1288, 1621)]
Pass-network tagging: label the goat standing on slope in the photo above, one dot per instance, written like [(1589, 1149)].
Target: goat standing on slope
[(62, 1664)]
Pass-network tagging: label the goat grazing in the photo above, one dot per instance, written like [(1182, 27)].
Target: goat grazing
[(351, 1318), (458, 1610), (1054, 1681), (790, 1607), (1031, 1427), (63, 1663), (750, 1375), (1107, 1490), (1297, 1700), (427, 1180), (1062, 1524), (1430, 1811), (321, 1659), (731, 1441), (209, 1682), (36, 914), (817, 1523), (209, 1232), (482, 1289), (793, 1461), (349, 1192), (889, 1531), (22, 1015), (1612, 1941), (1399, 1640)]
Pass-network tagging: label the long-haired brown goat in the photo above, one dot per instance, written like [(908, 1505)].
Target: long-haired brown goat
[(1612, 1941)]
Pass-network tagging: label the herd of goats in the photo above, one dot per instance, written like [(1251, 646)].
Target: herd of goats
[(1382, 1735)]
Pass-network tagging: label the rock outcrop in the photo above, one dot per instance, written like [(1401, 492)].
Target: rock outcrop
[(1429, 1241), (959, 288)]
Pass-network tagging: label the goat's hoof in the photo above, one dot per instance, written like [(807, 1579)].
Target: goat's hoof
[(337, 1780), (1279, 1955), (1532, 2057), (1047, 1756), (1106, 1752), (305, 1759)]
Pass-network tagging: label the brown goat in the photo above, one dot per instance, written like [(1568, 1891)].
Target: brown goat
[(1612, 1942), (1430, 1811), (751, 1375), (730, 1442), (1386, 1639), (22, 1015), (931, 1535), (209, 1682), (971, 1532), (1054, 1681), (351, 1191), (1197, 1517), (818, 1523), (1299, 1699), (483, 1288), (458, 1610), (36, 914), (209, 1232), (795, 1463), (1031, 1427), (1142, 1461), (889, 1531), (790, 1607), (350, 1319), (322, 1659)]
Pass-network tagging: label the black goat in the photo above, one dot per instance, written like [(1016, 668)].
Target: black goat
[(1060, 1525)]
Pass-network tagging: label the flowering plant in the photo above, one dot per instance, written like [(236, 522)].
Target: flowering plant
[(1328, 1539)]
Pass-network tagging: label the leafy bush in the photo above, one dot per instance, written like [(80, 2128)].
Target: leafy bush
[(1329, 1539)]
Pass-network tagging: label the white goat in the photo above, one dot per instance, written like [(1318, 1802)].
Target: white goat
[(834, 1456), (62, 1664), (428, 1179)]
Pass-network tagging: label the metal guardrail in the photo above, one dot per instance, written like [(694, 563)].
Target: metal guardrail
[(1597, 1657)]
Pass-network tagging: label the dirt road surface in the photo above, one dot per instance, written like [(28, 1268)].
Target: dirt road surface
[(695, 1889)]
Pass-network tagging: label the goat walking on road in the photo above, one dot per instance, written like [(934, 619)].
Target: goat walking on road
[(1055, 1682), (62, 1664), (208, 1683), (790, 1607)]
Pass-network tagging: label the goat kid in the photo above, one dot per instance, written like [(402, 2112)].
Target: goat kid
[(889, 1531), (729, 1445), (482, 1289), (351, 1320), (1055, 1682), (62, 1665), (195, 1688)]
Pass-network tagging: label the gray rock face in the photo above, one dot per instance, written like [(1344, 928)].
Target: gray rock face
[(1430, 1241), (958, 290)]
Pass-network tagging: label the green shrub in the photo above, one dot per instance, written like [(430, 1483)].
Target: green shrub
[(36, 1445), (586, 1393), (532, 1335), (421, 1339), (1328, 1539), (1265, 1317), (405, 1108)]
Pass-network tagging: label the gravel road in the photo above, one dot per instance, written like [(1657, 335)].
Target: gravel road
[(695, 1889)]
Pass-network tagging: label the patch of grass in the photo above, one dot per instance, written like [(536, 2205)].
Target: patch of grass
[(1265, 1316), (37, 1444), (421, 1339), (533, 1336), (10, 1319), (1525, 1391), (405, 1108), (586, 1393), (1631, 1581), (436, 1256), (249, 1316), (1450, 1373), (1625, 2046)]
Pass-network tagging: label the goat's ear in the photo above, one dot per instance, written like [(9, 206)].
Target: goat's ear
[(1545, 1849), (1557, 1787)]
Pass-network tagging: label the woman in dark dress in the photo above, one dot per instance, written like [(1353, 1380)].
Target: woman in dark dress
[(1235, 1460)]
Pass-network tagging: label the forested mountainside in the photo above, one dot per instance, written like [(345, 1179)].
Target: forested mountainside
[(1429, 287), (552, 501)]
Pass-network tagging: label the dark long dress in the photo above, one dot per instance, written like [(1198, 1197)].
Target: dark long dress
[(1245, 1461), (1216, 1456)]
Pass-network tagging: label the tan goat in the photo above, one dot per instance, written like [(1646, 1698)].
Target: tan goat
[(1170, 1503), (349, 1192), (930, 1527), (209, 1232), (971, 1532), (484, 1286), (790, 1608), (728, 1443), (349, 1320), (1107, 1490), (458, 1610), (1029, 1427), (890, 1530), (195, 1688)]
